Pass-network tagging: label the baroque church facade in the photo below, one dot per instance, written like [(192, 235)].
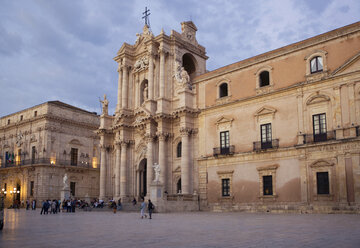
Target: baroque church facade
[(278, 131)]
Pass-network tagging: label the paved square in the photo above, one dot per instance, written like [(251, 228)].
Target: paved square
[(202, 229)]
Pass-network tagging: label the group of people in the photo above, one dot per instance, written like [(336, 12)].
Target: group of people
[(150, 206), (32, 203), (53, 205)]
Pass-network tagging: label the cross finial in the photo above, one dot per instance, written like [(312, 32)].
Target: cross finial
[(146, 16)]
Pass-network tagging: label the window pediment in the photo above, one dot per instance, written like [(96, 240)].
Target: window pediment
[(265, 111), (268, 167), (75, 142), (321, 163), (224, 122), (318, 98)]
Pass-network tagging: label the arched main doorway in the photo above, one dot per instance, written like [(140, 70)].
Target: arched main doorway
[(142, 178)]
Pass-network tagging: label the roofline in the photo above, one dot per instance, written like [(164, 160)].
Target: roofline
[(342, 31), (58, 103)]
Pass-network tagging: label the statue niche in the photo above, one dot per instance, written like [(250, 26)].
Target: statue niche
[(144, 91)]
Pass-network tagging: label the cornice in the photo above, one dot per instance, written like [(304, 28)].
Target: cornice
[(322, 38)]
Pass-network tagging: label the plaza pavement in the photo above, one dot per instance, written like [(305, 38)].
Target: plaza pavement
[(200, 229)]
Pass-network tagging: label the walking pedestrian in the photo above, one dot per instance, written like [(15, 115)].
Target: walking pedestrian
[(33, 206), (150, 208), (142, 210), (27, 204), (119, 205)]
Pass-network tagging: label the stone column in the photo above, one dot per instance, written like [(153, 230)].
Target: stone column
[(352, 112), (102, 172), (123, 169), (337, 108), (341, 179), (149, 163), (125, 80), (117, 169), (300, 118), (162, 72), (151, 77), (162, 158), (185, 161), (118, 106)]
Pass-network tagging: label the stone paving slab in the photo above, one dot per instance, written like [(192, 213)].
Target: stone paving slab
[(201, 229)]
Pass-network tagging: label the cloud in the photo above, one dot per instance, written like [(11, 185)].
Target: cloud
[(63, 50)]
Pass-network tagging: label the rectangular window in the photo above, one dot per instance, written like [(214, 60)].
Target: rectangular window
[(72, 188), (35, 113), (319, 126), (225, 187), (32, 188), (74, 156), (33, 152), (267, 185), (322, 181), (21, 117), (224, 142), (266, 139)]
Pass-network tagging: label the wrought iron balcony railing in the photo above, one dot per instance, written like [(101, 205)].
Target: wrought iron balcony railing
[(313, 138), (224, 150), (48, 161), (258, 145)]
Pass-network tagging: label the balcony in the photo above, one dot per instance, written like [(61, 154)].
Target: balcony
[(47, 161), (314, 138), (259, 146), (224, 150)]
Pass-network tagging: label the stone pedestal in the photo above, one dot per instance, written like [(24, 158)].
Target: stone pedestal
[(157, 196), (65, 194)]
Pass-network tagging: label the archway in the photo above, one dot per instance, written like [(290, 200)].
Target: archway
[(142, 178), (189, 64)]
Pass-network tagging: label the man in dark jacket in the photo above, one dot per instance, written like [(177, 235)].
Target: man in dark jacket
[(150, 208)]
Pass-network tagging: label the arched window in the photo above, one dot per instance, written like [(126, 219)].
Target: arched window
[(264, 78), (178, 150), (223, 90), (316, 64)]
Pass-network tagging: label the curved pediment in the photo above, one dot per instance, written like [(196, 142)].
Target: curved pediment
[(318, 98), (321, 163), (75, 142)]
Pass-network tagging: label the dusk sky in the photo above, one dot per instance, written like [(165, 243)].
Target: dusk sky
[(63, 49)]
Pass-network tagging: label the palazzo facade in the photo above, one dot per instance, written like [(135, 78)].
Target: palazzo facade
[(41, 144), (275, 132)]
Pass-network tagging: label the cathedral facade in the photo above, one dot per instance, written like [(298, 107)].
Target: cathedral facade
[(275, 132)]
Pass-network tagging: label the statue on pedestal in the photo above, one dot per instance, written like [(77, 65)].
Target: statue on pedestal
[(65, 181), (105, 104), (156, 167)]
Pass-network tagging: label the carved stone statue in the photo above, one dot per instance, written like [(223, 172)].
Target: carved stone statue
[(105, 104), (145, 92), (156, 167), (185, 78), (141, 64), (182, 76), (65, 181)]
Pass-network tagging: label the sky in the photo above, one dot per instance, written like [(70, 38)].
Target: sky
[(64, 49)]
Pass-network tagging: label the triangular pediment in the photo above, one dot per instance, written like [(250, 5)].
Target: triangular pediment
[(265, 111), (351, 65), (223, 120)]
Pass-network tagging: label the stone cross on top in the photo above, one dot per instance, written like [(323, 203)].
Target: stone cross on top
[(146, 16)]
